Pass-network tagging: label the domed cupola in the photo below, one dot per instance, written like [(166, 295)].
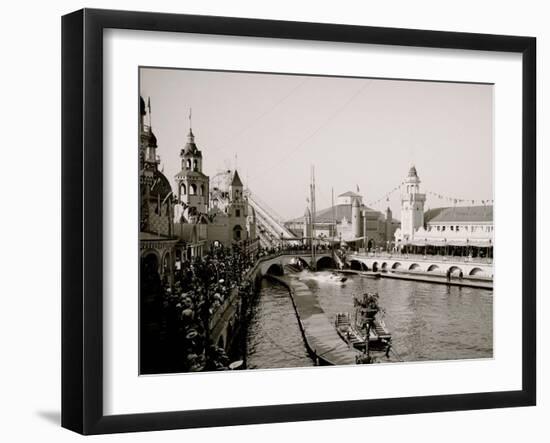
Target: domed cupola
[(148, 139)]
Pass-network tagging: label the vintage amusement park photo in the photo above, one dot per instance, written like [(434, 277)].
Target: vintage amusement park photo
[(291, 221)]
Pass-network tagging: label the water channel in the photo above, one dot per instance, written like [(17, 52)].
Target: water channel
[(427, 321)]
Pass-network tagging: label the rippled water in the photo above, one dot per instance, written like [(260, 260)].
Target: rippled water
[(427, 321), (274, 337)]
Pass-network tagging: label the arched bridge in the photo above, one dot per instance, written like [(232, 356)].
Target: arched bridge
[(225, 321), (435, 265), (276, 264)]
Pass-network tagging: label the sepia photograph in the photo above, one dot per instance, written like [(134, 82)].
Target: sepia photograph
[(295, 220)]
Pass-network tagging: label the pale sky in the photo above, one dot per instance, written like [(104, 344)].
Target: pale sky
[(356, 132)]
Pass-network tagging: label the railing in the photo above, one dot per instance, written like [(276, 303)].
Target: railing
[(421, 257)]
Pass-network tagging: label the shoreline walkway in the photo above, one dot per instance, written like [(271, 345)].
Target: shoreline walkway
[(425, 278), (320, 336), (478, 284)]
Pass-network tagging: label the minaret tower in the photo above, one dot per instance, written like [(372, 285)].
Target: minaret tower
[(193, 185), (412, 205), (237, 209)]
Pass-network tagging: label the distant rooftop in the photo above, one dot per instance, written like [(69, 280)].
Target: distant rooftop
[(328, 215), (460, 214), (349, 194)]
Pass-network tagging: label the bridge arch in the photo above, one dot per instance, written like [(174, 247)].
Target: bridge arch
[(303, 262), (326, 262), (396, 265), (455, 270), (477, 271), (433, 268), (357, 265), (414, 267), (384, 266), (275, 269), (375, 266)]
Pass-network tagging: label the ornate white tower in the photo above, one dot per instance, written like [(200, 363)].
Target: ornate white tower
[(412, 206), (193, 185)]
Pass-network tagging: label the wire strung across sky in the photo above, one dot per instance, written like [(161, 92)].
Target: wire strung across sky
[(237, 135), (287, 156)]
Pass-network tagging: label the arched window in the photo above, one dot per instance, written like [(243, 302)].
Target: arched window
[(202, 190), (192, 189), (195, 165), (188, 163), (183, 189), (237, 231), (166, 263)]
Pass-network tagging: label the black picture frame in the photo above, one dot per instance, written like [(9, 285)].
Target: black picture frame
[(82, 219)]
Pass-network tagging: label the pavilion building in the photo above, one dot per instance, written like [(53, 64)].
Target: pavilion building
[(349, 221), (457, 230)]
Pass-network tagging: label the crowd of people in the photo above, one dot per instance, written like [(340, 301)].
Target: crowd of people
[(292, 246), (176, 316), (176, 320)]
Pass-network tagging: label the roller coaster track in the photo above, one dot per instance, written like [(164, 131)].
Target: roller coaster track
[(270, 227)]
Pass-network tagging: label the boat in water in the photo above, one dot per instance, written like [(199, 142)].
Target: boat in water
[(364, 323), (365, 274), (370, 274)]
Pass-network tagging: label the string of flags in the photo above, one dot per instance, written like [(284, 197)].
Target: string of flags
[(456, 201), (452, 200), (385, 197)]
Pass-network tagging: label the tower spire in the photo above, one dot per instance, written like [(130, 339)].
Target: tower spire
[(190, 136), (149, 109)]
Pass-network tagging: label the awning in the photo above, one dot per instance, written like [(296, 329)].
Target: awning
[(442, 243)]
